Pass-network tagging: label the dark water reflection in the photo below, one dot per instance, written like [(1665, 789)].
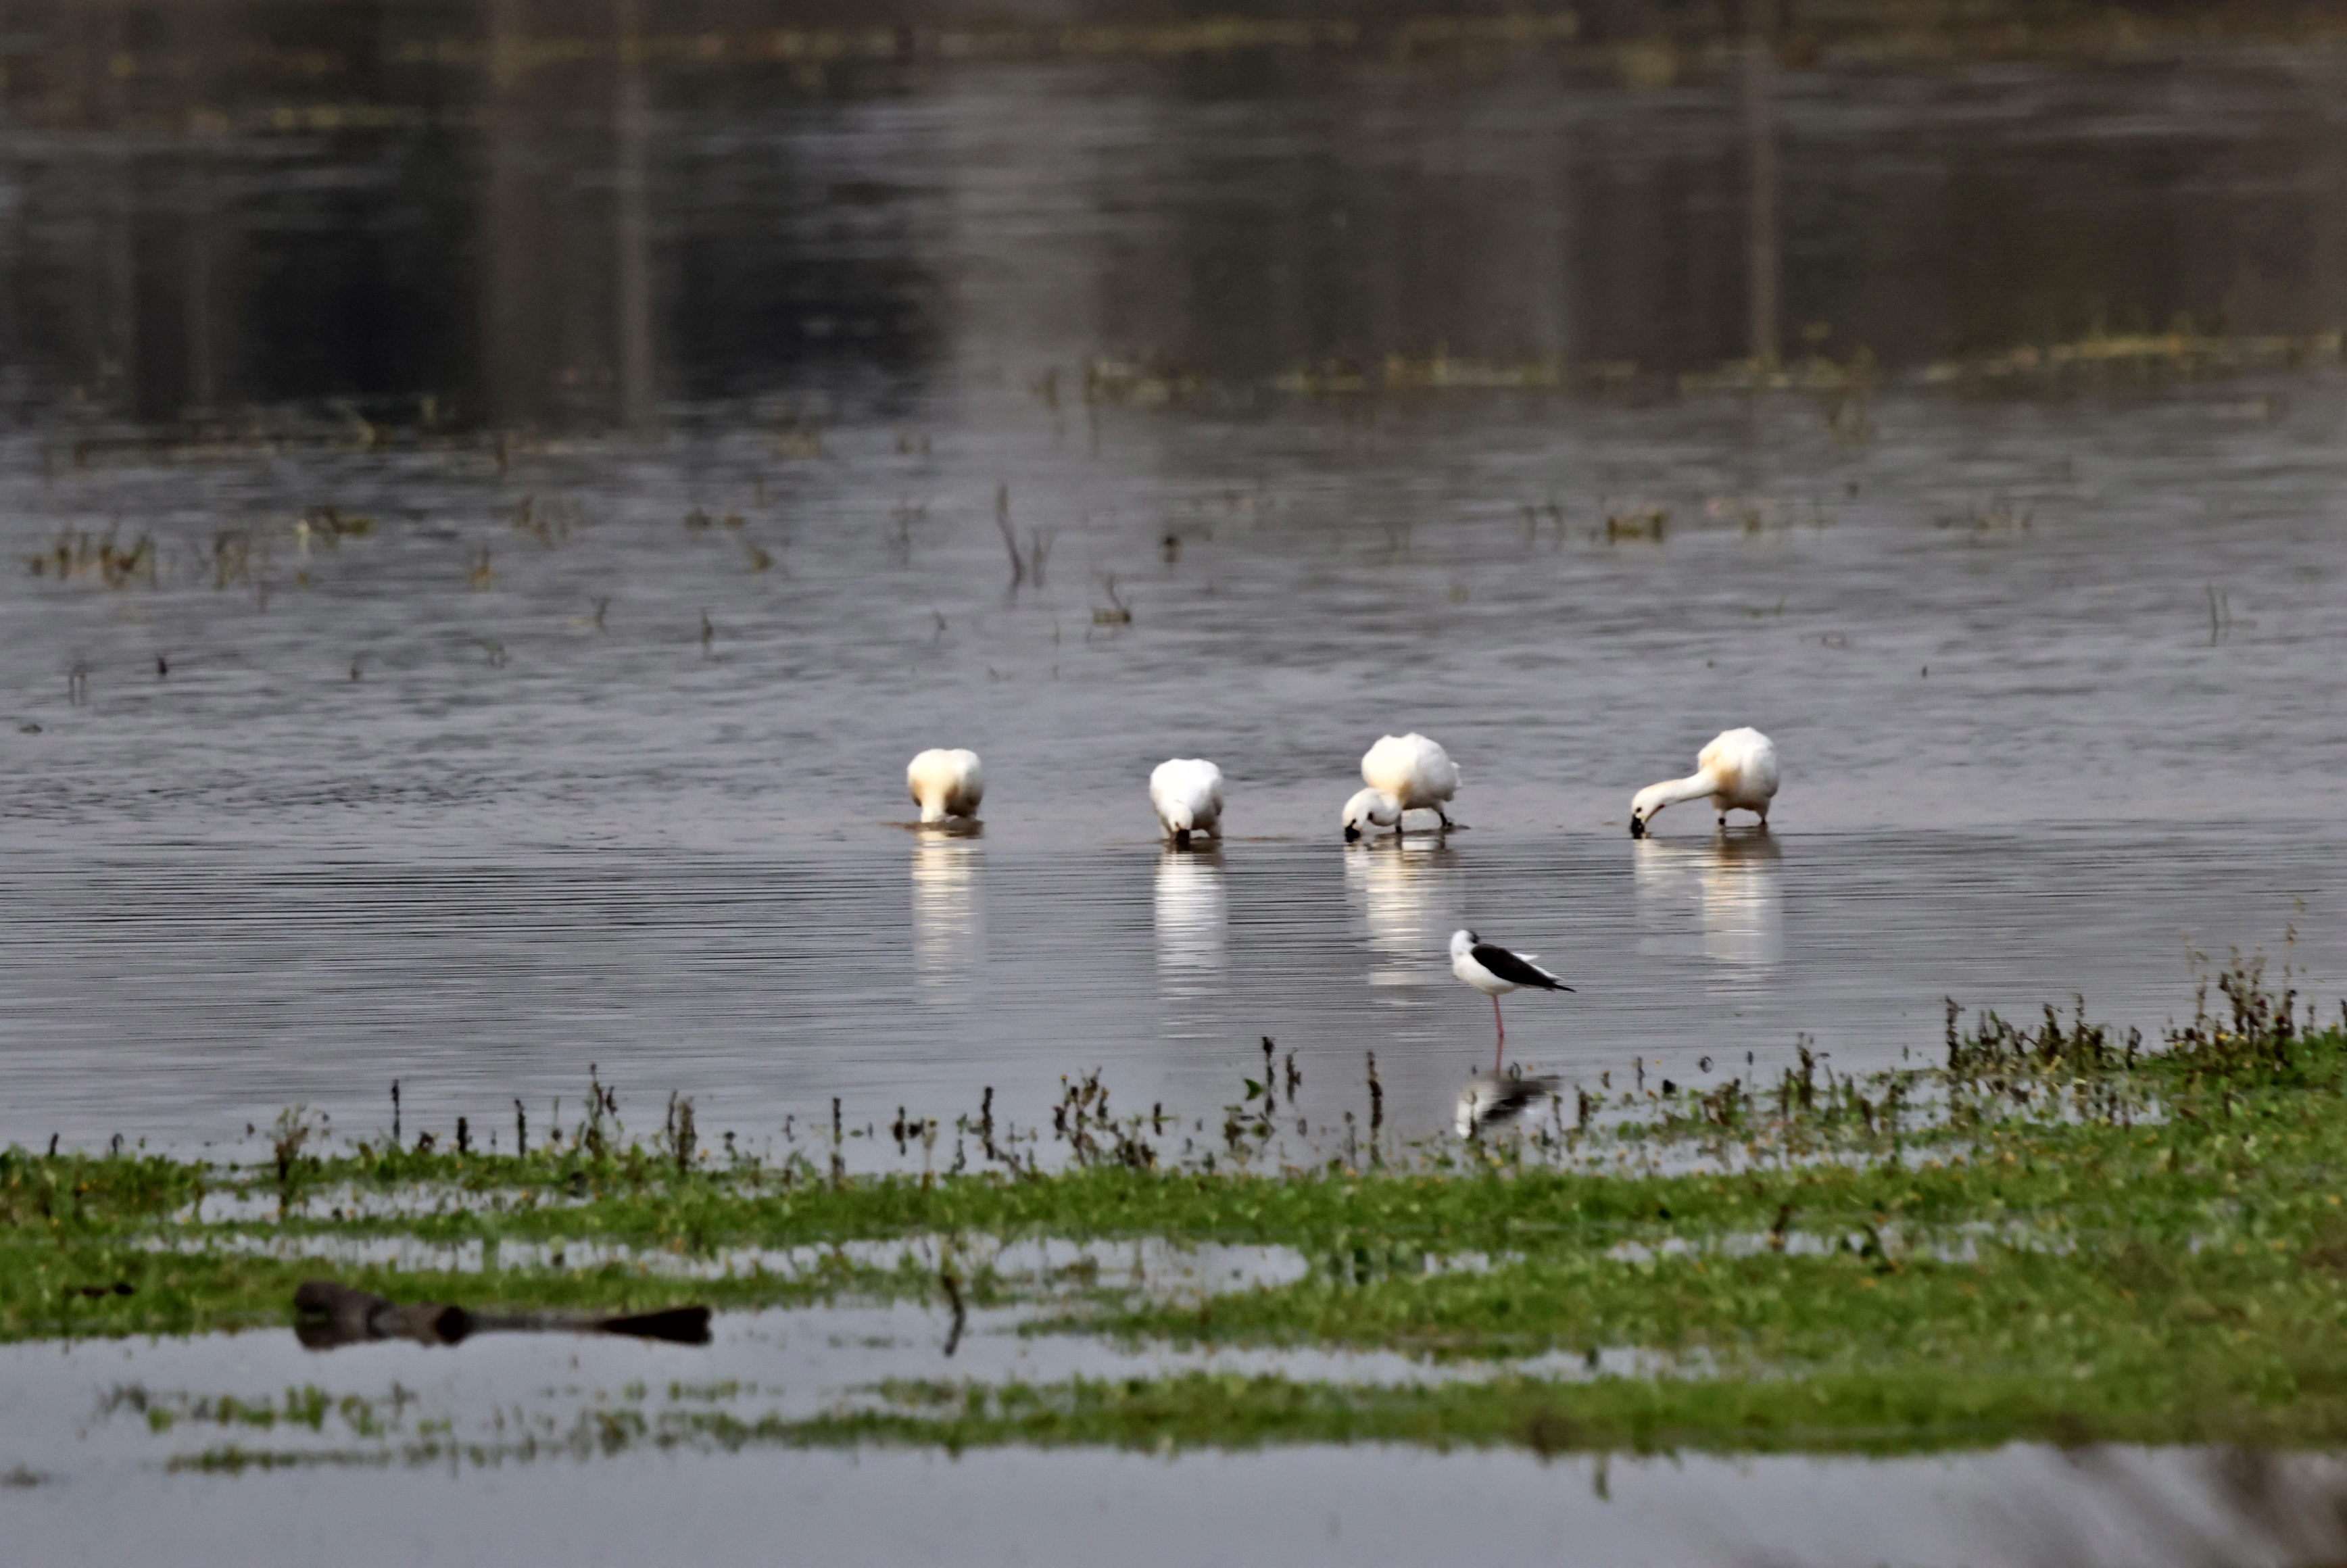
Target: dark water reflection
[(512, 213)]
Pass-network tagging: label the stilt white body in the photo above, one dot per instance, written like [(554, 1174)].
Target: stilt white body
[(1187, 792), (1404, 773), (945, 783), (1471, 968), (1495, 972), (1738, 771)]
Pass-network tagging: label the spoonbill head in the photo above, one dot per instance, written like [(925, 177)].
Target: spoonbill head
[(1368, 810), (1738, 771), (945, 783)]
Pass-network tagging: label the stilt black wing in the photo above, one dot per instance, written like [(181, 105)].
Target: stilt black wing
[(1513, 969)]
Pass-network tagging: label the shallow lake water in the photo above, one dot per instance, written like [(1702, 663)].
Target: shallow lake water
[(528, 1447), (489, 509), (684, 403), (177, 993)]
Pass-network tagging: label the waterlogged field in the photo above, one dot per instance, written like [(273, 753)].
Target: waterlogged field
[(2054, 1234)]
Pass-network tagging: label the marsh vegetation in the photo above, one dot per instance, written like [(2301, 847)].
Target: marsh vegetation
[(2053, 1233)]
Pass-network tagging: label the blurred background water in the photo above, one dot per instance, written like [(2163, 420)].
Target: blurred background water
[(494, 493)]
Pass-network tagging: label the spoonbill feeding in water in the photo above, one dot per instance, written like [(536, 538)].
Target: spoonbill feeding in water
[(1738, 771), (1495, 972), (1188, 795), (945, 783), (1404, 773)]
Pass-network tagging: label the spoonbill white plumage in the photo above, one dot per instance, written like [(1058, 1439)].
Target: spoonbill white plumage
[(1490, 1099), (1188, 795), (1738, 771), (945, 783), (1404, 773), (1495, 972)]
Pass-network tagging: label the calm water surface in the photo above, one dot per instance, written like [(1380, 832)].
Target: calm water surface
[(683, 532), (549, 824), (75, 1420)]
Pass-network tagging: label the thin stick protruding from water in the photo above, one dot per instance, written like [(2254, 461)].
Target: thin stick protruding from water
[(1009, 536), (960, 1312)]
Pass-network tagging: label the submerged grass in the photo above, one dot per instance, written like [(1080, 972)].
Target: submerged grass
[(1891, 1409), (2055, 1233)]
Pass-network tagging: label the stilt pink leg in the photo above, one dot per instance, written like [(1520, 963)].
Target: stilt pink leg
[(1501, 1049)]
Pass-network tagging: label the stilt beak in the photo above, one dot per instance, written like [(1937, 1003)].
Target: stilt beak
[(1352, 834), (1180, 838), (1638, 828)]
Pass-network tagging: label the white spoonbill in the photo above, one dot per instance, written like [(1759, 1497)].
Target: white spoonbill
[(1188, 795), (1495, 972), (1404, 773), (945, 783), (1738, 771)]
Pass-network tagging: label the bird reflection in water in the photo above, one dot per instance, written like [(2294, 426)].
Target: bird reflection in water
[(1191, 911), (946, 935), (1732, 879), (1193, 920), (1494, 1099), (1407, 896)]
